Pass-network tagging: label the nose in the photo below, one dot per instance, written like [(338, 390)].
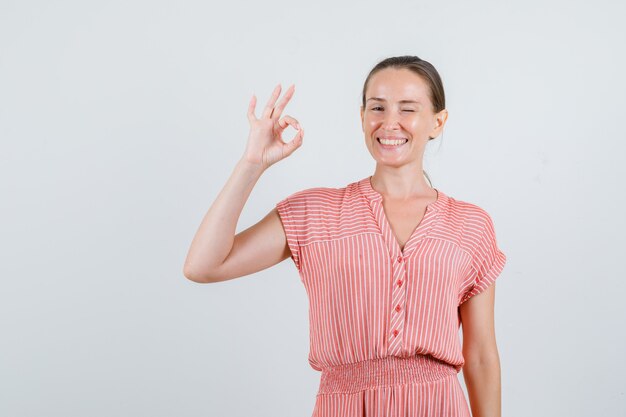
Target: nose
[(391, 121)]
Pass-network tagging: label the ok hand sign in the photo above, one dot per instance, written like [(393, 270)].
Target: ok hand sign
[(265, 144)]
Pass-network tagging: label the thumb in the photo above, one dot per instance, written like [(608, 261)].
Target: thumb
[(296, 142)]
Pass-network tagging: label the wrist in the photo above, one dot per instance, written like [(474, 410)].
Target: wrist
[(250, 167)]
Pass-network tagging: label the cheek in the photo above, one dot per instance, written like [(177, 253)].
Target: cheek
[(414, 123), (421, 120), (370, 125)]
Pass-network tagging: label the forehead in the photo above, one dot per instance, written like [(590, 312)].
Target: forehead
[(397, 84)]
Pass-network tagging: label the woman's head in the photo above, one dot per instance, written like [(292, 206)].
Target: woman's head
[(403, 99)]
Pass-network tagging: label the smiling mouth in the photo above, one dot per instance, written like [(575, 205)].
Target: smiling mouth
[(391, 142)]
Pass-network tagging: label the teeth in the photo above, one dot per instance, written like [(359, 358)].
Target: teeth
[(393, 142)]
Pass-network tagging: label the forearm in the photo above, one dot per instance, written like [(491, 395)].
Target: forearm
[(214, 238), (482, 379)]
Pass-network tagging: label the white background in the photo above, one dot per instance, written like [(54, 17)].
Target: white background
[(120, 121)]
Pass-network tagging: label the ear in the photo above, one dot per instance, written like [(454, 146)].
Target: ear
[(440, 121)]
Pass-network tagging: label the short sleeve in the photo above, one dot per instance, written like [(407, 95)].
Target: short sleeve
[(290, 225), (487, 260)]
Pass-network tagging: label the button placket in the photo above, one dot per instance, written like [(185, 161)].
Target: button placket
[(398, 291), (398, 300)]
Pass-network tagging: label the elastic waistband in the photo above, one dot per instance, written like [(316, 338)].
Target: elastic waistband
[(391, 370)]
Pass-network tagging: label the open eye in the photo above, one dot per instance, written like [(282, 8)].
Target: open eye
[(375, 108)]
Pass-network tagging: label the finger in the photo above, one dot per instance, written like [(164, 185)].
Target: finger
[(278, 110), (288, 120), (251, 106), (294, 144), (269, 107)]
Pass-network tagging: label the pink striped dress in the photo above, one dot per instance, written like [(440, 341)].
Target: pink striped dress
[(384, 321)]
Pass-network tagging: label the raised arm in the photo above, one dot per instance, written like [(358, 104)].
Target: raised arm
[(216, 253)]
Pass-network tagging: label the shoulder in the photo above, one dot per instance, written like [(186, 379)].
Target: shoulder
[(467, 214), (313, 213), (465, 223), (318, 197)]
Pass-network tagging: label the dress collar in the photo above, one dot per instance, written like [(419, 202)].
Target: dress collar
[(365, 187)]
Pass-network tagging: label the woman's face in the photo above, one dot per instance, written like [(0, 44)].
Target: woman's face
[(397, 107)]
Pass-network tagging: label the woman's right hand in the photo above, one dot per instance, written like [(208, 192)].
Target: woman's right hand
[(265, 145)]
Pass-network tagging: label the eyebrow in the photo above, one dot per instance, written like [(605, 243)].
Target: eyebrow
[(401, 101)]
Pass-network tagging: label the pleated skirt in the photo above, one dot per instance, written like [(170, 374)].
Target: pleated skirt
[(419, 386)]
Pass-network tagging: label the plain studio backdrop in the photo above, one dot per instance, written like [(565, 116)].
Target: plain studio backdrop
[(121, 121)]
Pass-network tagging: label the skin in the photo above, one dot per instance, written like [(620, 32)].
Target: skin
[(399, 171), (218, 254)]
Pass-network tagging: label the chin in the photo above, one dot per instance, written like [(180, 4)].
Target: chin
[(392, 163)]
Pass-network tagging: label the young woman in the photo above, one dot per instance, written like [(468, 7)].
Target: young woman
[(392, 267)]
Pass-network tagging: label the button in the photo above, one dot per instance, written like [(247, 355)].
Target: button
[(399, 283), (398, 308), (395, 332), (400, 258)]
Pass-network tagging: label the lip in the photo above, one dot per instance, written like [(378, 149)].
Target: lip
[(391, 137), (391, 147)]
